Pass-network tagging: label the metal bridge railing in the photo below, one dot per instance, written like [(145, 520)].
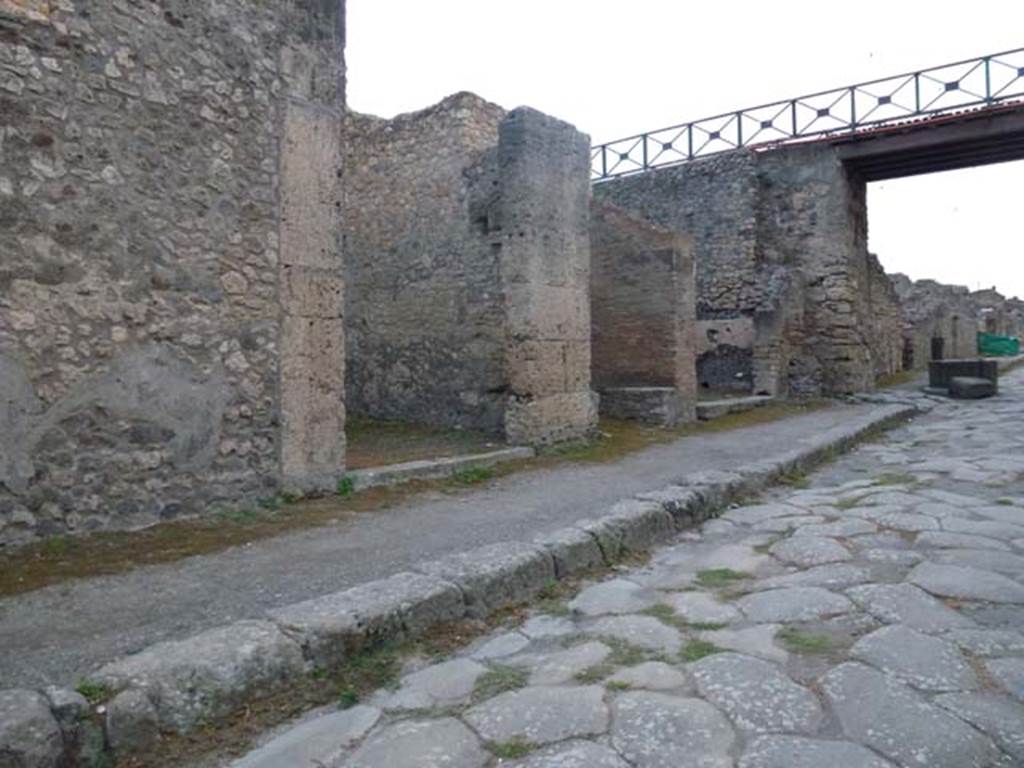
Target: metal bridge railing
[(982, 82)]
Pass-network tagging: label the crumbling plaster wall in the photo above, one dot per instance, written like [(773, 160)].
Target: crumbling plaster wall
[(467, 254), (643, 317), (168, 188)]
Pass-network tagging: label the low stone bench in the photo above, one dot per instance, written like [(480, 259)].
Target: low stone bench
[(971, 388), (942, 372)]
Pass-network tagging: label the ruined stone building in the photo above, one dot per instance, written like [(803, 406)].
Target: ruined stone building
[(170, 271), (468, 268), (992, 312), (938, 321), (788, 298), (642, 294)]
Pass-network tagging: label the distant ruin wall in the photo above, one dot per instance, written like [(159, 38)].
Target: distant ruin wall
[(643, 313), (935, 317), (467, 268), (141, 233)]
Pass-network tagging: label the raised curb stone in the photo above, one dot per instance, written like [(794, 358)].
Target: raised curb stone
[(655, 730), (132, 721), (573, 551), (404, 605), (208, 675), (29, 734), (494, 576), (900, 723), (541, 714), (756, 695)]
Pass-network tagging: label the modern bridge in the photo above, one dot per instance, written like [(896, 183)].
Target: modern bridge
[(957, 115)]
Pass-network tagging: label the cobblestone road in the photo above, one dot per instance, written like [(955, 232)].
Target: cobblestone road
[(871, 619)]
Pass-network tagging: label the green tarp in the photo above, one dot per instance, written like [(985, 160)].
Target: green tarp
[(990, 345)]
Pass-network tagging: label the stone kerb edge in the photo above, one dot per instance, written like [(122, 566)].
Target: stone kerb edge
[(476, 583)]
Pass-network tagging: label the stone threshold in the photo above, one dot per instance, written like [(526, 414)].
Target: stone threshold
[(712, 409), (431, 469), (178, 687)]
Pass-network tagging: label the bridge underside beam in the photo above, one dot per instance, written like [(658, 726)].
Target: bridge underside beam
[(923, 148)]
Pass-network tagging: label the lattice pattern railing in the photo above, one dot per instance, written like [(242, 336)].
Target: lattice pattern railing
[(983, 82)]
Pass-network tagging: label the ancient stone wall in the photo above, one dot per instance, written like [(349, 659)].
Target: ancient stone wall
[(885, 316), (781, 242), (714, 200), (168, 190), (936, 319), (643, 318), (467, 265)]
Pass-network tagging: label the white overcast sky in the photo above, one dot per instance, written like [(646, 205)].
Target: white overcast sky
[(617, 67)]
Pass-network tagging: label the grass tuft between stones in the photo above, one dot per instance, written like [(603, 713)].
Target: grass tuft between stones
[(498, 679), (473, 475), (511, 749), (617, 685), (895, 478), (94, 692), (720, 577), (798, 641), (695, 650)]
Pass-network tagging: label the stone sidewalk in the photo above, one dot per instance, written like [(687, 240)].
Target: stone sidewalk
[(872, 619), (54, 635)]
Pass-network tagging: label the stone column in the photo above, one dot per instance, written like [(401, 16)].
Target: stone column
[(543, 214), (312, 337)]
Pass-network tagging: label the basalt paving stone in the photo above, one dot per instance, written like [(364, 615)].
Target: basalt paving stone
[(756, 695), (792, 604), (444, 684), (1009, 673), (642, 631), (922, 661), (613, 596), (830, 576), (321, 741), (805, 551), (444, 743), (907, 521), (991, 528), (760, 512), (998, 716), (893, 556), (850, 527), (1002, 514), (654, 676), (757, 641), (801, 752), (789, 523), (500, 646), (987, 560), (908, 605), (943, 510), (966, 583), (541, 714), (539, 627), (889, 717), (655, 730), (988, 642), (947, 540), (571, 754), (702, 608), (563, 666)]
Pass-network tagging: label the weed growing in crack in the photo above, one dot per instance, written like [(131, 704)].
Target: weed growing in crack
[(498, 679)]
